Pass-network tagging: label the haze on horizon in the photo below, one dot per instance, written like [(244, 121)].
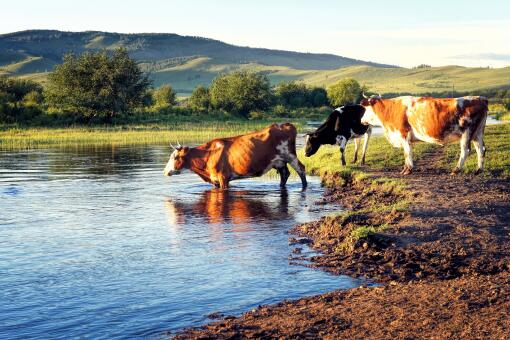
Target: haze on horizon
[(400, 32)]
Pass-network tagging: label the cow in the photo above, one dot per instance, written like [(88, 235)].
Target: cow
[(225, 159), (341, 125), (432, 120)]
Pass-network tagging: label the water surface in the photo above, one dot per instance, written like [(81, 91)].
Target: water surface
[(97, 243)]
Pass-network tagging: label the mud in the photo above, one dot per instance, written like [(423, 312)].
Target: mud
[(442, 255)]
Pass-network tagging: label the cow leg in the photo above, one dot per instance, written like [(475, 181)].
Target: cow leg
[(480, 151), (300, 169), (222, 182), (356, 147), (284, 175), (464, 151), (365, 145), (342, 141), (408, 154)]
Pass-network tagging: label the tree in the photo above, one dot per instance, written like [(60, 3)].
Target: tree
[(292, 94), (20, 100), (345, 91), (240, 92), (200, 98), (97, 84), (318, 97), (164, 96)]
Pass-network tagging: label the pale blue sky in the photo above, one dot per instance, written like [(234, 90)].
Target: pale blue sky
[(407, 33)]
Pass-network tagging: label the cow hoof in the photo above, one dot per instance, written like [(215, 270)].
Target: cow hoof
[(406, 171), (478, 171), (455, 171)]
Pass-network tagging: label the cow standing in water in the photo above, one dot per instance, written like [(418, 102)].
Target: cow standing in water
[(341, 125), (432, 120), (224, 159)]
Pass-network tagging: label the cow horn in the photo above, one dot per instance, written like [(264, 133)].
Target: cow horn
[(172, 146), (364, 95), (380, 95)]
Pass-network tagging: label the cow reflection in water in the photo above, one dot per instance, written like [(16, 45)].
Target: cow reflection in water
[(237, 208)]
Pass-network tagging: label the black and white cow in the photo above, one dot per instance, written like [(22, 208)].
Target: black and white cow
[(341, 125)]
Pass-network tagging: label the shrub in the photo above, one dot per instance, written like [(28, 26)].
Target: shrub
[(164, 96), (240, 92), (200, 99), (345, 91), (97, 85)]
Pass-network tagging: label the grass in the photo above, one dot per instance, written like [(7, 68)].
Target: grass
[(382, 199), (16, 138), (378, 79), (381, 155), (202, 70), (497, 159)]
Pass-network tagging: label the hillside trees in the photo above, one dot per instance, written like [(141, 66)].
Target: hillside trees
[(240, 92), (20, 100), (200, 98), (97, 84), (345, 91), (294, 94), (164, 97)]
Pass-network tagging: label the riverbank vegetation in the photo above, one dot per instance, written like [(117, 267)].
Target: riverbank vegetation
[(98, 88), (110, 88)]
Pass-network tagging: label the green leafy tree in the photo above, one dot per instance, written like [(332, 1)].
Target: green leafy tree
[(200, 98), (345, 91), (318, 97), (164, 96), (20, 100), (506, 103), (241, 92), (292, 94), (97, 84)]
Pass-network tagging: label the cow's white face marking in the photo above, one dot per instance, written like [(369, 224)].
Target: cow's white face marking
[(340, 109), (219, 144), (170, 165), (370, 118)]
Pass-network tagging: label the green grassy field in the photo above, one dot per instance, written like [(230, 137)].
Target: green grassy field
[(14, 138), (202, 70), (385, 80), (381, 155)]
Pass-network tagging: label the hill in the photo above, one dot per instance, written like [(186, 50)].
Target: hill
[(48, 47), (185, 62)]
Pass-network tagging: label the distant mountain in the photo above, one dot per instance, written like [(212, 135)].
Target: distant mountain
[(45, 48), (185, 62)]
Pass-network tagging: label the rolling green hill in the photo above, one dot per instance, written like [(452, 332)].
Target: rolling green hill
[(185, 62)]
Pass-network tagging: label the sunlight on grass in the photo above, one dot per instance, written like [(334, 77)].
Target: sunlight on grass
[(132, 135)]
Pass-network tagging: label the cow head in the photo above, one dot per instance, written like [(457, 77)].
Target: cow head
[(176, 161), (312, 144), (370, 117)]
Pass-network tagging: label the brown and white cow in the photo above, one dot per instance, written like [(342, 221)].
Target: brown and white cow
[(224, 159), (432, 120)]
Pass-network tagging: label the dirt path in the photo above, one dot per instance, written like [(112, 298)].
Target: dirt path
[(447, 262)]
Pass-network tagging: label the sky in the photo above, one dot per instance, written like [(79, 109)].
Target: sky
[(404, 33)]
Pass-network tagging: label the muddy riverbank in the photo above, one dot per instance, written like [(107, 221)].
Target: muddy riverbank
[(439, 243)]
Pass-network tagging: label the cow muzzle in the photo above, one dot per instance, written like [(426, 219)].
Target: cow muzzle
[(169, 173)]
